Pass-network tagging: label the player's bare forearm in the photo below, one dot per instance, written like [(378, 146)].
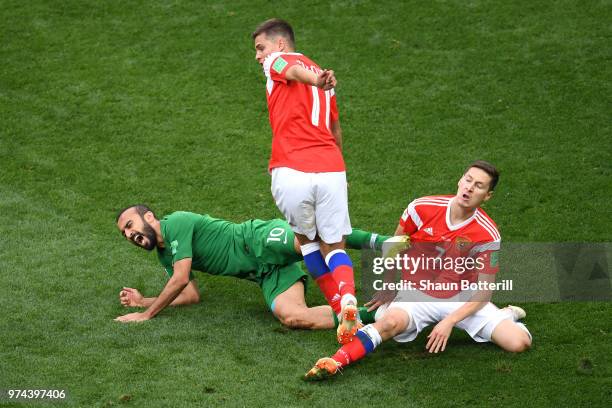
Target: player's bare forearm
[(325, 79), (188, 296), (170, 292), (180, 300), (467, 309), (298, 73), (478, 300), (336, 131), (176, 284), (147, 302)]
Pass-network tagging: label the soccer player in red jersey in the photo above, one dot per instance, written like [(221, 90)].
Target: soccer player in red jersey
[(454, 227), (308, 172)]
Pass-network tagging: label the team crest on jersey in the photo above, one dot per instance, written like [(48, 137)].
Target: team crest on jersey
[(429, 230), (173, 246), (279, 64), (463, 245), (462, 242)]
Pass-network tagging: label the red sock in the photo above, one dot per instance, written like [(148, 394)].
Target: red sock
[(329, 288), (342, 269), (346, 282), (350, 352)]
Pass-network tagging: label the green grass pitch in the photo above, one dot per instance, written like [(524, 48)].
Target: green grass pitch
[(109, 103)]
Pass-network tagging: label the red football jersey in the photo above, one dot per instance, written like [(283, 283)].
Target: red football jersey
[(473, 244), (300, 116)]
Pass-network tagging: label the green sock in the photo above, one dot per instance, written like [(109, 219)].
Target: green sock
[(365, 316), (363, 239)]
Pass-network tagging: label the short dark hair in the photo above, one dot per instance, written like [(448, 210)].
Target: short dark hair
[(273, 27), (141, 209), (488, 168)]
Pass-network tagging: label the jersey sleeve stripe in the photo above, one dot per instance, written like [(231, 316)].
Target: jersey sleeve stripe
[(493, 230), (433, 199), (487, 221), (327, 108), (487, 228), (489, 246), (494, 234), (431, 203), (414, 215)]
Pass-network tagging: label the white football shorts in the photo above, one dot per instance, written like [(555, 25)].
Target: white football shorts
[(479, 326), (313, 203)]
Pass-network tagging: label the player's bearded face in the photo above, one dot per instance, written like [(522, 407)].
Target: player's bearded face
[(147, 238)]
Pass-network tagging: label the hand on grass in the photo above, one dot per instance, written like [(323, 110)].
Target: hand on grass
[(132, 317), (439, 336)]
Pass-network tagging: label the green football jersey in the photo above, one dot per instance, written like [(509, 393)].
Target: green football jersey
[(215, 246), (221, 247)]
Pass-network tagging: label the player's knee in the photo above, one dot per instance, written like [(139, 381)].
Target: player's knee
[(518, 343), (393, 324), (288, 320), (293, 319)]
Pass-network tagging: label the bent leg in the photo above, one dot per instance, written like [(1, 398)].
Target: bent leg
[(392, 323), (320, 272), (511, 337), (360, 239), (291, 309)]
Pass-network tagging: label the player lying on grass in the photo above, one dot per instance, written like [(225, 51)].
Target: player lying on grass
[(262, 251), (444, 227)]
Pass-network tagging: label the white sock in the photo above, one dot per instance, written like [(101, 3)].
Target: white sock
[(372, 333), (346, 299), (373, 241), (309, 248)]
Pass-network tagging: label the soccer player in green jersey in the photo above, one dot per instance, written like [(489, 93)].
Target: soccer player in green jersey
[(262, 251)]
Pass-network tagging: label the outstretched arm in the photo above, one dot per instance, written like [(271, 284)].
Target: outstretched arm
[(176, 284), (130, 297), (325, 79)]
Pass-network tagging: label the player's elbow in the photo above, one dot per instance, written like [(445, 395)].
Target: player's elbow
[(194, 298), (180, 280)]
